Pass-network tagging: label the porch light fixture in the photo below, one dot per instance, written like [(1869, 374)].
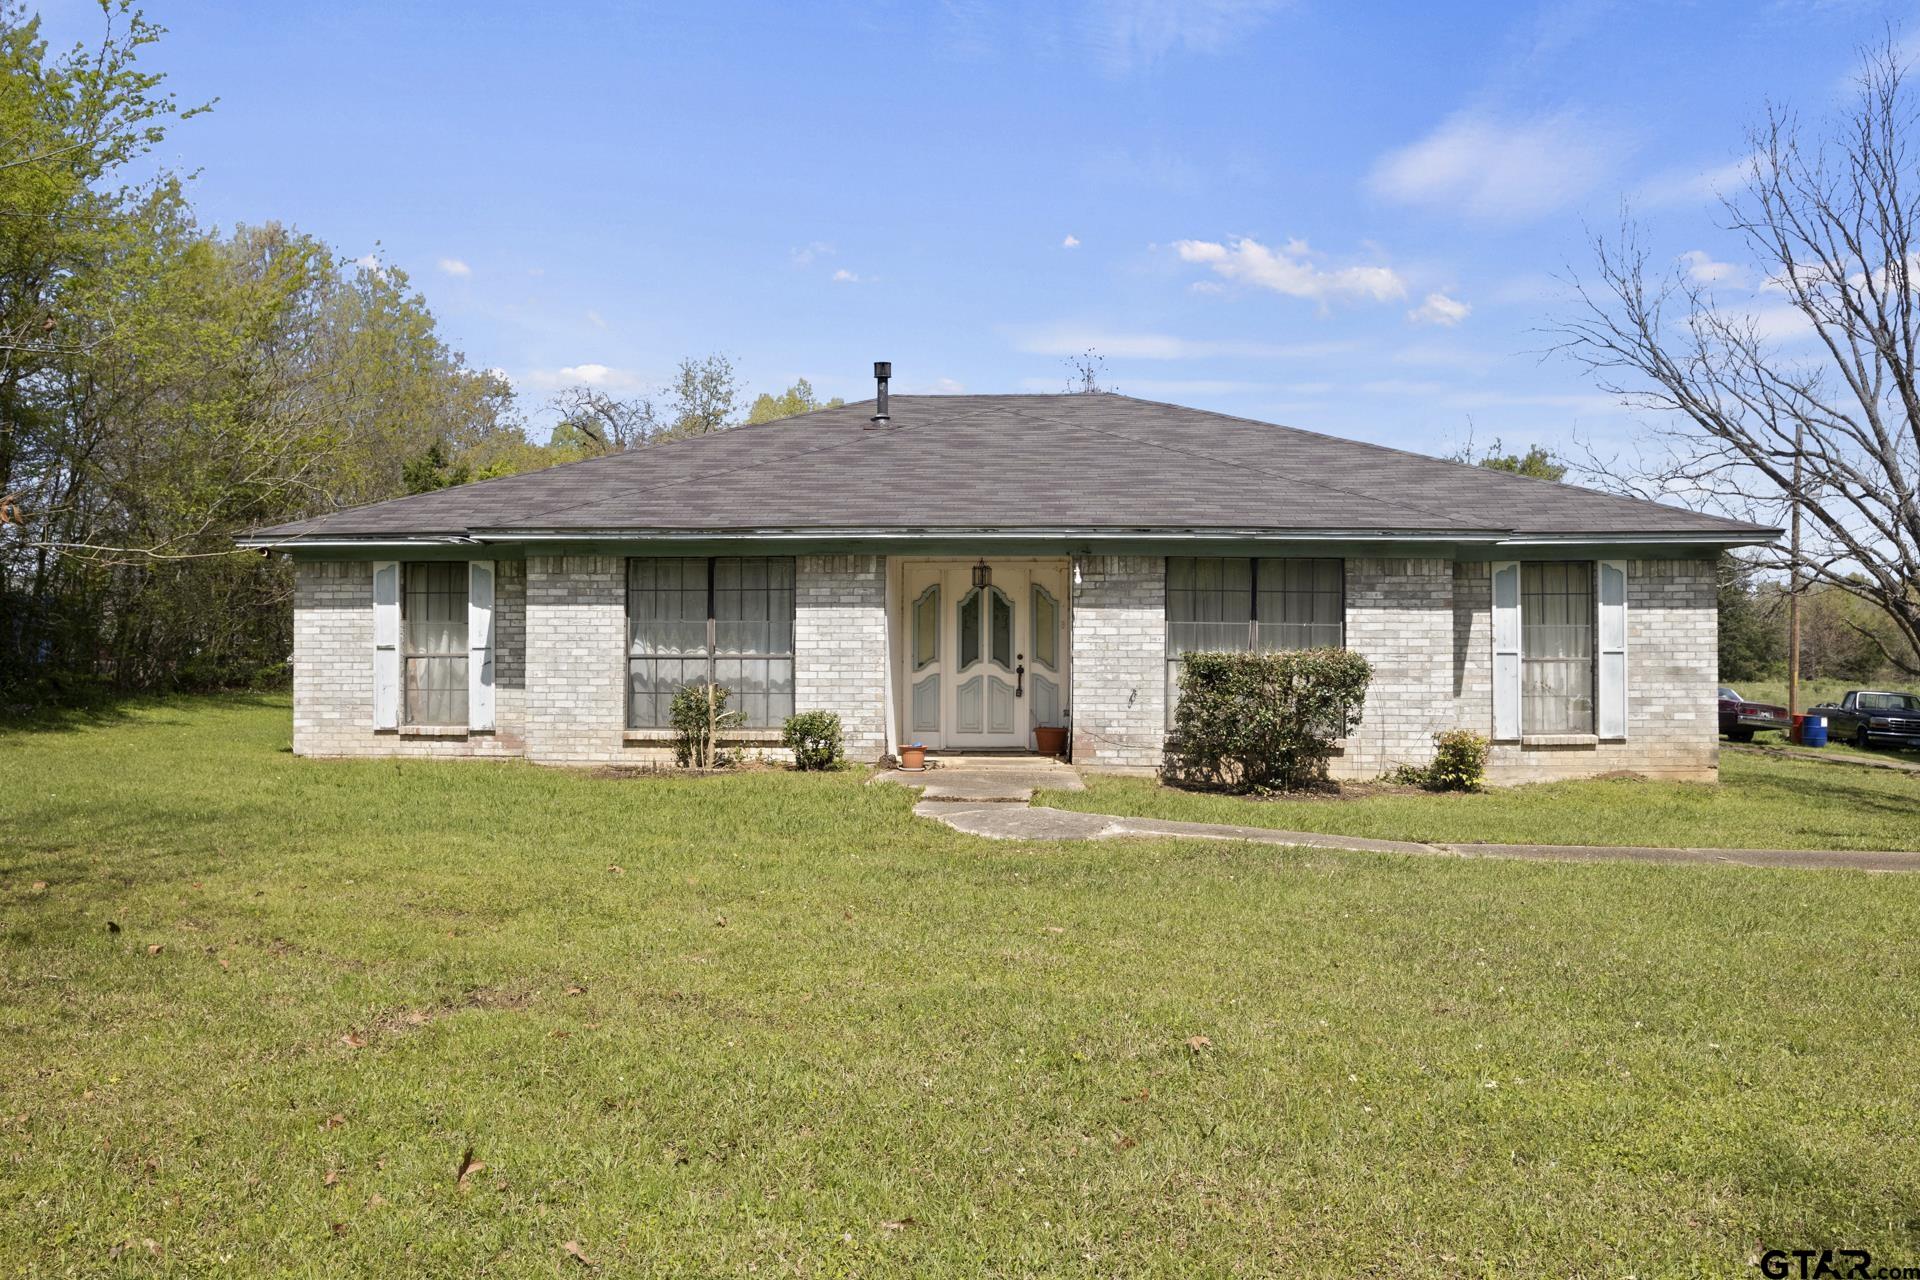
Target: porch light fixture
[(982, 575)]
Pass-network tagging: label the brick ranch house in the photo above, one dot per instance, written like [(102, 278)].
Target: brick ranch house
[(955, 570)]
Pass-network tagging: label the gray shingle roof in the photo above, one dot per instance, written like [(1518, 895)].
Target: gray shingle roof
[(1098, 463)]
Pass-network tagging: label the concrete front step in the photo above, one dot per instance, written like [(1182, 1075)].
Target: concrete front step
[(987, 779)]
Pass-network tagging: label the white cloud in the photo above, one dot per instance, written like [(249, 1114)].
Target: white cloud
[(367, 262), (1071, 242), (1702, 269), (1694, 186), (1441, 310), (1068, 340), (591, 374), (807, 254), (938, 387), (1499, 170), (844, 276), (455, 267), (595, 319), (1128, 34), (1290, 270)]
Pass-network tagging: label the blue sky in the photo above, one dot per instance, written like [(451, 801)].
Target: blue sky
[(1344, 217)]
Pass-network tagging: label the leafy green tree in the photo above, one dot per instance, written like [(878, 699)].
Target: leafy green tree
[(1537, 461), (794, 401), (703, 397), (1753, 642)]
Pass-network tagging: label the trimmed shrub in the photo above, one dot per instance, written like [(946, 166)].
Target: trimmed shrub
[(1459, 761), (1263, 721), (814, 738), (697, 716)]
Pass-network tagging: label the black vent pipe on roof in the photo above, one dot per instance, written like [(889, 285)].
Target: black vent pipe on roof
[(882, 370)]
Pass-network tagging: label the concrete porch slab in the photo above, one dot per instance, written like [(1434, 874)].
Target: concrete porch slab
[(996, 780)]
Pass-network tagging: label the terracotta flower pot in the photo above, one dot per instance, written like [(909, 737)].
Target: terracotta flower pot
[(914, 757), (1050, 739)]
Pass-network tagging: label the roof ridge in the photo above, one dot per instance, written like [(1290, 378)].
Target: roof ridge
[(1474, 467)]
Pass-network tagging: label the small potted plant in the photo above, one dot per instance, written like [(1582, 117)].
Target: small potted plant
[(1050, 739), (913, 759)]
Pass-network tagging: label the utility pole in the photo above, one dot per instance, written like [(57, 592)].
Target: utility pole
[(1793, 590)]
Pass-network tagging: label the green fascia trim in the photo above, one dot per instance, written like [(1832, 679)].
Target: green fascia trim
[(1465, 552)]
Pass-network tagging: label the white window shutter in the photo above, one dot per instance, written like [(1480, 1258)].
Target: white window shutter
[(386, 644), (1611, 715), (480, 644), (1506, 650)]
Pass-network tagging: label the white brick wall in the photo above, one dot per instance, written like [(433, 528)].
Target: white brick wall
[(1672, 674), (333, 667), (840, 646), (1400, 617), (576, 659), (1119, 626), (1425, 624)]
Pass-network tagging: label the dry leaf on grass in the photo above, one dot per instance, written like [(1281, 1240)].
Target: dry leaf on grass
[(619, 871), (1199, 1043), (339, 1228), (333, 1121), (332, 1177), (1121, 1142), (576, 991), (1053, 928), (39, 886), (574, 1251), (354, 1040), (224, 964), (559, 1033), (468, 1167), (899, 1224), (155, 948)]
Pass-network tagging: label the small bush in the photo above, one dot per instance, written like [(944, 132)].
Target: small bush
[(1459, 761), (814, 738), (1459, 764), (697, 717), (1263, 721)]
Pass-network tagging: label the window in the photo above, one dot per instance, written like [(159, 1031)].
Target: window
[(433, 616), (728, 620), (1556, 647), (1270, 602)]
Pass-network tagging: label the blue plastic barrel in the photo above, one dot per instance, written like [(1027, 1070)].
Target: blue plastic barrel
[(1813, 731)]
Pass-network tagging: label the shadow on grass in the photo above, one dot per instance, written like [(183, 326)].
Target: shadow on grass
[(110, 711)]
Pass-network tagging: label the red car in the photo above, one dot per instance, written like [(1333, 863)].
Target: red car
[(1740, 719)]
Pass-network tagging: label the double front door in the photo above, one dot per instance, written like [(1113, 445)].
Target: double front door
[(984, 664)]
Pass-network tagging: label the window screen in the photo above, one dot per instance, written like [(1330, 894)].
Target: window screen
[(1228, 603), (728, 620), (433, 615), (1556, 647)]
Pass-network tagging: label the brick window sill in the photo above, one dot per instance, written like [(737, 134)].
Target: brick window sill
[(738, 738), (433, 731), (1560, 740)]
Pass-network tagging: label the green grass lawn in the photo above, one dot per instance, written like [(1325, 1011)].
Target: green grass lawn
[(1760, 803), (774, 1024)]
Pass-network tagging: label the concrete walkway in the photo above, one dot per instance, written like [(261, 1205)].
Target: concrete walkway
[(991, 798)]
